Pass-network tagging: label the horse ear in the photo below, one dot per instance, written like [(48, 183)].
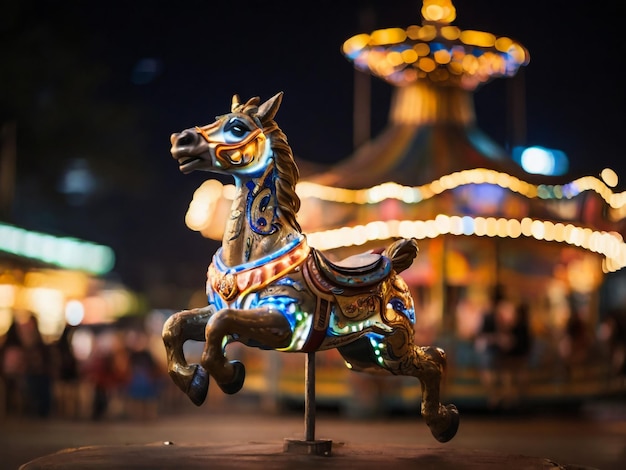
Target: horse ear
[(234, 103), (269, 109)]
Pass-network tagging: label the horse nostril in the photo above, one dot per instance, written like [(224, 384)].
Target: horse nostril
[(184, 138)]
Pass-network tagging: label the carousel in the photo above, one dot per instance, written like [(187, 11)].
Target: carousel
[(534, 251)]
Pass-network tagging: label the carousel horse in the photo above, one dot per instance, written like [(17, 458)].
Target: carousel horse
[(268, 289)]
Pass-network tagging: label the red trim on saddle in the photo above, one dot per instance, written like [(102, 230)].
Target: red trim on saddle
[(318, 332)]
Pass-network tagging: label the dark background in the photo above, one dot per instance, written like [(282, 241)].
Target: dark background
[(106, 83)]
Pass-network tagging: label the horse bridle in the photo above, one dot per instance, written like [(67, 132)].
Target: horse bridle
[(239, 153)]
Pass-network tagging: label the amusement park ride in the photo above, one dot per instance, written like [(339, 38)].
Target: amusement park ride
[(481, 221)]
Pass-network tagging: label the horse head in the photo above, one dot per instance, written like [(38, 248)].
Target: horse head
[(233, 143)]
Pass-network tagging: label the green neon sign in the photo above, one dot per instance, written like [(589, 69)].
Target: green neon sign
[(65, 252)]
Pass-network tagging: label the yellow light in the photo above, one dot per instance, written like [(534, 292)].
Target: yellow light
[(442, 224), (456, 68), (7, 295), (433, 12), (377, 230), (421, 49), (456, 225), (427, 33), (395, 59), (576, 236), (413, 32), (480, 226), (610, 245), (559, 232), (503, 44), (359, 235), (537, 229), (442, 56), (470, 64), (48, 305), (549, 232), (407, 228), (409, 56), (388, 36), (6, 319), (450, 32), (72, 284), (414, 194), (441, 11), (492, 227), (609, 177), (427, 64), (502, 228), (478, 38), (431, 229), (209, 208), (514, 228), (355, 43)]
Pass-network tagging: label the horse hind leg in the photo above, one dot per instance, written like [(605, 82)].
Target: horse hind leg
[(428, 365), (376, 354), (180, 327)]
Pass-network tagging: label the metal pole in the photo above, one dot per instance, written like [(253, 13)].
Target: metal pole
[(309, 397), (309, 445)]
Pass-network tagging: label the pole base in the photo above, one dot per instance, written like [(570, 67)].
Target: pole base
[(317, 447)]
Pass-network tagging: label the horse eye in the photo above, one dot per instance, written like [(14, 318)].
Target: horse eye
[(235, 130)]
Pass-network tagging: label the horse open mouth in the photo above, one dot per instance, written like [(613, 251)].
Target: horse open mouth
[(187, 164)]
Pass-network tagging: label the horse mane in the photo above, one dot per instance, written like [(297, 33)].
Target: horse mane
[(288, 175), (286, 168)]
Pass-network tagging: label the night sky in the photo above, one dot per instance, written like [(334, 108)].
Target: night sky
[(178, 63), (206, 51)]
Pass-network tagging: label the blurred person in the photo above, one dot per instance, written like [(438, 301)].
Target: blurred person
[(66, 386), (574, 343), (515, 357), (145, 378), (612, 332), (493, 343), (12, 372), (108, 372), (37, 366)]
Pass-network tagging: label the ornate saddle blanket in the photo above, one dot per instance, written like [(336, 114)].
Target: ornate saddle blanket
[(354, 284)]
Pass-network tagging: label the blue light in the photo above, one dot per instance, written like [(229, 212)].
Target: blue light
[(541, 161)]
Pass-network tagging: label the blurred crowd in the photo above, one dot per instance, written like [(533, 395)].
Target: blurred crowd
[(119, 371), (113, 373), (505, 345)]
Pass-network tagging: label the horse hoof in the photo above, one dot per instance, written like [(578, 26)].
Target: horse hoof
[(199, 386), (453, 426), (235, 385)]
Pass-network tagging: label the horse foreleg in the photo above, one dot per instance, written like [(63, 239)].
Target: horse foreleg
[(443, 421), (264, 327), (180, 327)]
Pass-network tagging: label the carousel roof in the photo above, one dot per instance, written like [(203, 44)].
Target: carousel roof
[(436, 51), (412, 156), (433, 171)]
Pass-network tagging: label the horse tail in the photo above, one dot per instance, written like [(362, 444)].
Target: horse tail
[(402, 253)]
